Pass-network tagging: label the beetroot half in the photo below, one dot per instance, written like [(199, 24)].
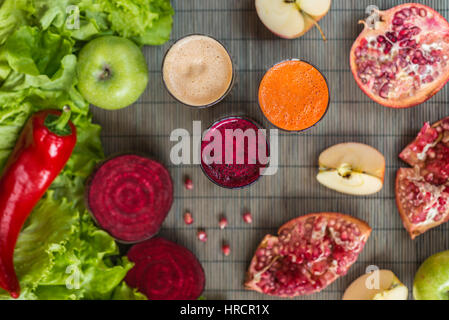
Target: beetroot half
[(129, 196), (164, 270)]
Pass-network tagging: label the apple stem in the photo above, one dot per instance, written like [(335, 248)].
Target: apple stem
[(106, 73), (315, 23)]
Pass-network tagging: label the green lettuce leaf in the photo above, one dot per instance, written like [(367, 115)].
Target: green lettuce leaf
[(144, 21), (147, 22), (60, 253)]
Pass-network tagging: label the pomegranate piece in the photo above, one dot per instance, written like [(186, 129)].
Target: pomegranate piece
[(164, 270), (248, 218), (188, 184), (226, 249), (223, 223), (422, 192), (421, 205), (402, 60), (188, 219), (202, 235), (415, 153), (309, 253)]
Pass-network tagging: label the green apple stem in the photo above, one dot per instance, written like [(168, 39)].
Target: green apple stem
[(106, 74)]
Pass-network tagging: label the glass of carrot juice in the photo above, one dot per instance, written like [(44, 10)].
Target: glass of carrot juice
[(294, 95)]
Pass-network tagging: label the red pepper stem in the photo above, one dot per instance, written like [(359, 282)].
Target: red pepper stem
[(64, 118), (59, 124)]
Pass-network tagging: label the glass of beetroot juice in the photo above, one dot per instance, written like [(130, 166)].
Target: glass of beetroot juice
[(294, 95), (234, 152)]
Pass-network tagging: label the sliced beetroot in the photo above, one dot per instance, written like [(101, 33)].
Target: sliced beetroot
[(164, 270), (129, 196)]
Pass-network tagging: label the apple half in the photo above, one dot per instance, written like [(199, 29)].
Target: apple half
[(291, 19), (352, 168), (377, 285)]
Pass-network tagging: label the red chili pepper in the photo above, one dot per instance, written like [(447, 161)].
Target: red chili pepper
[(41, 152)]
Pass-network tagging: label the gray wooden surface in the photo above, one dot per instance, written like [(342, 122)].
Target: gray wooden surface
[(145, 127)]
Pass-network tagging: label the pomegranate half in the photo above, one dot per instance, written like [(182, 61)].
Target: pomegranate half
[(401, 57), (309, 253)]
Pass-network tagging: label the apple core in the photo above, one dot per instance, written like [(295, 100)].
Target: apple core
[(198, 71)]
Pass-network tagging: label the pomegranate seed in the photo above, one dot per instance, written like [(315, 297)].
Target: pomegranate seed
[(415, 31), (422, 61), (403, 43), (381, 39), (411, 43), (188, 184), (404, 32), (391, 37), (398, 21), (435, 53), (384, 91), (202, 235), (223, 223), (406, 12), (428, 79), (422, 13), (247, 218), (226, 249), (363, 42), (415, 60), (399, 15), (188, 219)]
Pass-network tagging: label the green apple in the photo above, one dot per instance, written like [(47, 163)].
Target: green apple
[(432, 279), (112, 72)]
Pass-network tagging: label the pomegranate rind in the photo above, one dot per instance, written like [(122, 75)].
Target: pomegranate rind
[(253, 275), (424, 93), (129, 196), (164, 270)]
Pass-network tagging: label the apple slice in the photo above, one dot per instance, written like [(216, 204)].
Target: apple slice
[(315, 8), (291, 19), (352, 168), (377, 285)]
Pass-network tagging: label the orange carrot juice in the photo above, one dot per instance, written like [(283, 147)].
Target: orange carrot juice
[(293, 95)]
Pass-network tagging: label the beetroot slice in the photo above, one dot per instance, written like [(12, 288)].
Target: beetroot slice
[(164, 270), (129, 196)]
